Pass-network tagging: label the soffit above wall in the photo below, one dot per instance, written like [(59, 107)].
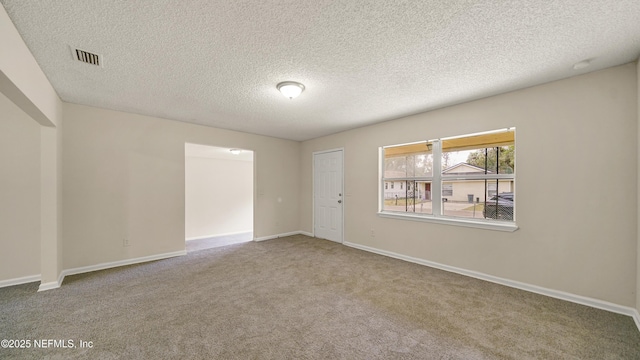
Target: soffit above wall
[(214, 152)]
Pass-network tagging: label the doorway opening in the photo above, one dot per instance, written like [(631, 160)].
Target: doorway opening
[(219, 196)]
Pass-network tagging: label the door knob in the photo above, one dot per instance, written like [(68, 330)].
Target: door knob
[(339, 201)]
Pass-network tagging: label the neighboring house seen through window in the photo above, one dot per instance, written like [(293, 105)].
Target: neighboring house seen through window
[(468, 177)]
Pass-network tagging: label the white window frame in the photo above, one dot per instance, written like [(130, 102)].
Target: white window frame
[(436, 193)]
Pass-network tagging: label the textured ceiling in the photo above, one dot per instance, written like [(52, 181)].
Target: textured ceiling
[(217, 62)]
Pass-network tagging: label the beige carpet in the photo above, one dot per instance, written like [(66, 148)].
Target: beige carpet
[(303, 298)]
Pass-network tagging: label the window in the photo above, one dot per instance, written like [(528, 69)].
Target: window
[(411, 165), (469, 179), (492, 189), (386, 185)]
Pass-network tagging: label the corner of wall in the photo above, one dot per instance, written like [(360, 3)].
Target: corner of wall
[(638, 194), (59, 135), (24, 83)]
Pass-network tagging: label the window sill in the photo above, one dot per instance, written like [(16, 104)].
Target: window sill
[(487, 225)]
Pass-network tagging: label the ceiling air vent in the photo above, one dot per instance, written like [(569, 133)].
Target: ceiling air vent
[(87, 57)]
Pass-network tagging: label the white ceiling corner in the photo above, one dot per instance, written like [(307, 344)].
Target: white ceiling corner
[(217, 62)]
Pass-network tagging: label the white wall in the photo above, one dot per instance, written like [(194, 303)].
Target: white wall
[(638, 185), (19, 193), (219, 197), (124, 178), (579, 238), (25, 85)]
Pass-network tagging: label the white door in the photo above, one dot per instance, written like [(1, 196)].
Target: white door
[(328, 195)]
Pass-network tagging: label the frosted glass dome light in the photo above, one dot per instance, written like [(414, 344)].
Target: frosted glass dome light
[(290, 89)]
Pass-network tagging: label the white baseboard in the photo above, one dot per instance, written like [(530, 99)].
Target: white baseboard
[(52, 284), (218, 235), (103, 266), (20, 280), (263, 238), (578, 299), (636, 318)]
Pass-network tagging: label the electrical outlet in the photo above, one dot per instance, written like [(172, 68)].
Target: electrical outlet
[(126, 242), (373, 233)]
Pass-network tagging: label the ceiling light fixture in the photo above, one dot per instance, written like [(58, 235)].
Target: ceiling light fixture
[(235, 151), (290, 89)]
